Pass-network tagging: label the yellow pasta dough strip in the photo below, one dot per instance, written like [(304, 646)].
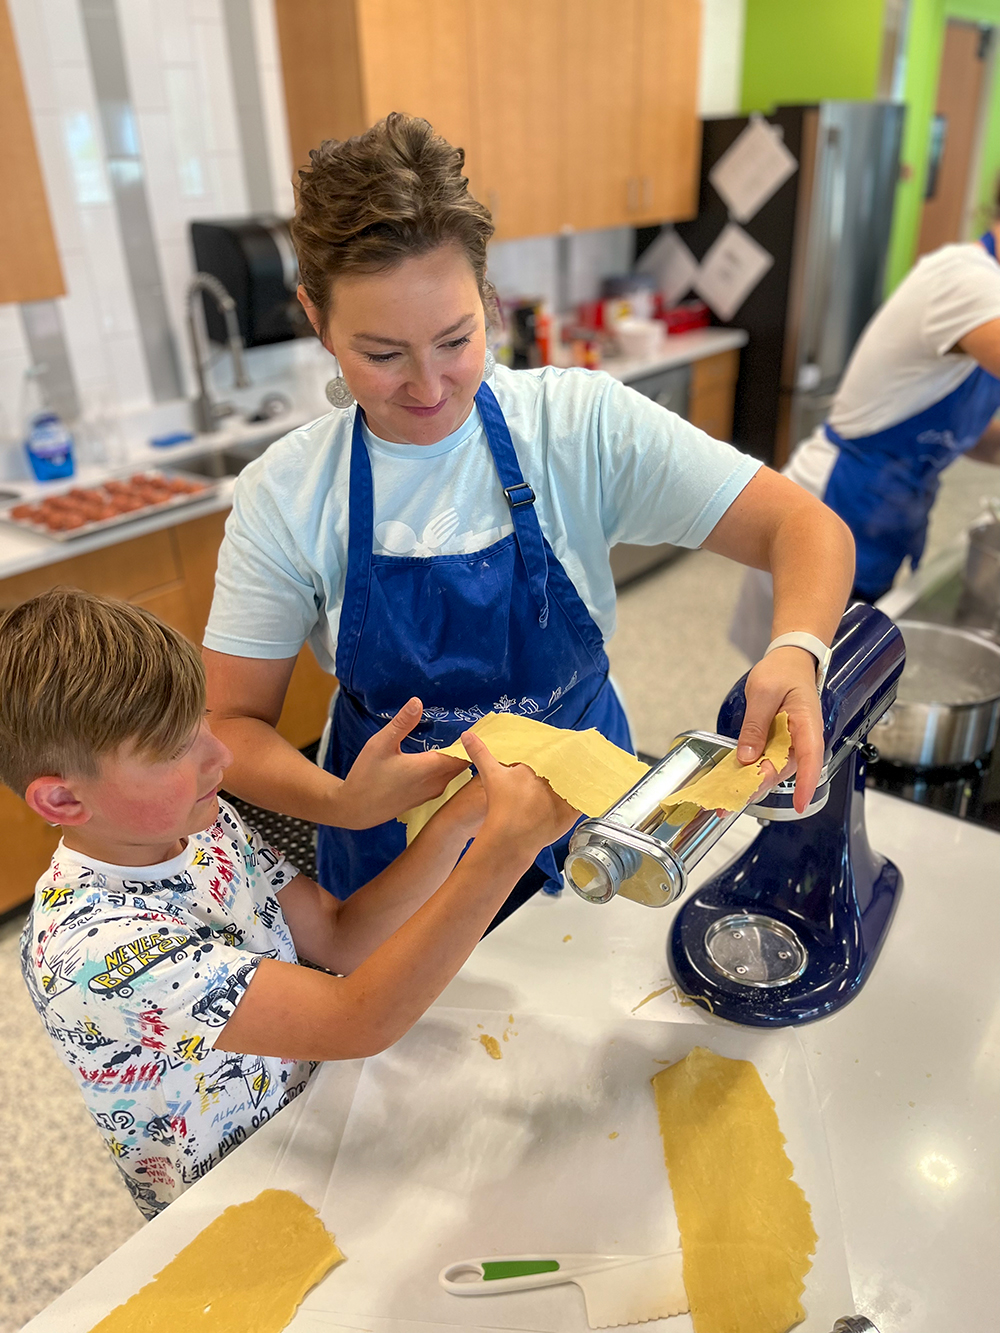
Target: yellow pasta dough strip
[(584, 767), (730, 785), (746, 1227), (416, 818), (246, 1272)]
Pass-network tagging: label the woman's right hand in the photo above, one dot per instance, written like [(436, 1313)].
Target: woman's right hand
[(522, 810), (384, 780)]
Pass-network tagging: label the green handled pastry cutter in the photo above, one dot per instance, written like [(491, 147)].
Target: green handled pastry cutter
[(618, 1289)]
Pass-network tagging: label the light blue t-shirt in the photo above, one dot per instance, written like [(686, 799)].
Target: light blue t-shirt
[(606, 464)]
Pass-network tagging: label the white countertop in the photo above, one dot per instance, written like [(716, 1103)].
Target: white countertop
[(21, 550), (908, 1078)]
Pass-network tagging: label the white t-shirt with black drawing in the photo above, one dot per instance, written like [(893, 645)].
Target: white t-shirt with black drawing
[(135, 970)]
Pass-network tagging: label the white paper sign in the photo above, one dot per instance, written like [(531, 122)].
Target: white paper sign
[(731, 270), (672, 264), (752, 169)]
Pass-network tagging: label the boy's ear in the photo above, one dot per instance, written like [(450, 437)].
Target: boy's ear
[(54, 799)]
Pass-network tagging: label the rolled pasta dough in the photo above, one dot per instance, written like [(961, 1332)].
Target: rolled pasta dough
[(746, 1227), (246, 1272)]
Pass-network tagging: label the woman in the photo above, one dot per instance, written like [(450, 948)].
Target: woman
[(920, 389), (447, 537)]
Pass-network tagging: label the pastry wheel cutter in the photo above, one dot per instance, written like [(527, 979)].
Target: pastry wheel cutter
[(618, 1289)]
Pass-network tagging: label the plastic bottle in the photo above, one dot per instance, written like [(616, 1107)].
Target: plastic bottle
[(47, 442)]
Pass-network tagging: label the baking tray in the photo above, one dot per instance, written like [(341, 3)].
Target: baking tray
[(448, 1153), (208, 489)]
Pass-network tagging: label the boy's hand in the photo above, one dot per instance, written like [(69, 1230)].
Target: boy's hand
[(383, 781), (522, 809), (465, 812)]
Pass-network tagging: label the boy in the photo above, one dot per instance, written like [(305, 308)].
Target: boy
[(162, 945)]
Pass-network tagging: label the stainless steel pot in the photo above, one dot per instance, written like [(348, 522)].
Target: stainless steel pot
[(948, 707)]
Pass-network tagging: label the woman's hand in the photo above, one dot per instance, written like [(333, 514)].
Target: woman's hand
[(785, 680), (522, 810), (384, 781), (463, 814)]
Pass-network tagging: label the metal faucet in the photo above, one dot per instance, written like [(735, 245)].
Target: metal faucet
[(207, 412)]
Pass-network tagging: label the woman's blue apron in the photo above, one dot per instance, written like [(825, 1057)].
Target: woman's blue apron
[(883, 485), (502, 630)]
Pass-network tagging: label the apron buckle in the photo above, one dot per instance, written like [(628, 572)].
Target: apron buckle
[(519, 486)]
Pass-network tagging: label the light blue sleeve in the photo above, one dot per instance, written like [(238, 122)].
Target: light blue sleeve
[(265, 602), (662, 479)]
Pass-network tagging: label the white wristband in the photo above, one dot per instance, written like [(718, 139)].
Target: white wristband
[(819, 650)]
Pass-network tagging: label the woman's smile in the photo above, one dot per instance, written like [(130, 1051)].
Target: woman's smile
[(425, 411)]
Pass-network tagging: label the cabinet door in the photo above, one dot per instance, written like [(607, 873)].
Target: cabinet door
[(668, 130), (599, 45), (30, 269), (321, 73), (517, 81), (415, 57)]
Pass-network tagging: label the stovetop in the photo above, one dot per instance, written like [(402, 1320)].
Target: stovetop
[(971, 791)]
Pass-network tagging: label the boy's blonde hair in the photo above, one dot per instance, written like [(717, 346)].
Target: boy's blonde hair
[(81, 676)]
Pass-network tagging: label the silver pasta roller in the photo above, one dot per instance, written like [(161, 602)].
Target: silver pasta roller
[(789, 930)]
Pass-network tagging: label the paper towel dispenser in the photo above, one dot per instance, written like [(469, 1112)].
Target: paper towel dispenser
[(254, 259)]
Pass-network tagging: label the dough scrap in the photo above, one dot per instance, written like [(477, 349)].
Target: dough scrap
[(246, 1272), (416, 818), (583, 767), (491, 1046), (746, 1227), (731, 785)]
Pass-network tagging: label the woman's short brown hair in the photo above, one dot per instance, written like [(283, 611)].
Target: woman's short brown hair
[(367, 203), (81, 676)]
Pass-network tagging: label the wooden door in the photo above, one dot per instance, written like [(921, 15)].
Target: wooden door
[(517, 72), (959, 96), (598, 177), (415, 57), (668, 146), (29, 262)]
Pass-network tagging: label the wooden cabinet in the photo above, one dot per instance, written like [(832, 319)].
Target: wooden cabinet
[(29, 268), (668, 131), (573, 113), (514, 160), (172, 574), (713, 388)]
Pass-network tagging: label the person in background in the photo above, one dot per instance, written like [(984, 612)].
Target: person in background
[(162, 947), (921, 388), (444, 533)]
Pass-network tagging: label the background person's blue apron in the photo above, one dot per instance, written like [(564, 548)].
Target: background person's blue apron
[(883, 485), (502, 629)]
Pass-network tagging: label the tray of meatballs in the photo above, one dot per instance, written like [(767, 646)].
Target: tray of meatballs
[(81, 510)]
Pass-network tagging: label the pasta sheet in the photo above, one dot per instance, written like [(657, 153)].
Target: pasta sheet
[(246, 1272), (746, 1227), (731, 785), (583, 767)]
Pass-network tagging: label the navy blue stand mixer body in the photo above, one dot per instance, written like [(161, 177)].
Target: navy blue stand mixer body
[(789, 931)]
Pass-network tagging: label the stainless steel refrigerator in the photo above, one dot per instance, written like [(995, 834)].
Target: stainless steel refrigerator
[(828, 230)]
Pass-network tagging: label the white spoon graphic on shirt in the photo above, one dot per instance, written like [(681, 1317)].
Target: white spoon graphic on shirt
[(398, 538)]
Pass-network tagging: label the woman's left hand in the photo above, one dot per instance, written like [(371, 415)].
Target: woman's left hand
[(785, 681)]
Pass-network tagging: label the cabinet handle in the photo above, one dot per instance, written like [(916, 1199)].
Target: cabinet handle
[(632, 195), (647, 192)]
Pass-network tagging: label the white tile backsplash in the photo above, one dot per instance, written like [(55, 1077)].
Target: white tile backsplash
[(140, 33), (216, 99)]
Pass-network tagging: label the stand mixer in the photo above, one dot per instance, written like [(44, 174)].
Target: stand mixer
[(789, 931)]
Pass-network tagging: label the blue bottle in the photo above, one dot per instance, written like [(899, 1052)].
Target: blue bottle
[(47, 442)]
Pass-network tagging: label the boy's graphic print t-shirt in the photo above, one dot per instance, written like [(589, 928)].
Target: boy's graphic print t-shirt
[(135, 970)]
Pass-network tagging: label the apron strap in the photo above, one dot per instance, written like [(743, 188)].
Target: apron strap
[(520, 497), (988, 240), (360, 539)]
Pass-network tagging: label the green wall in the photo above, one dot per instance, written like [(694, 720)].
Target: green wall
[(807, 50)]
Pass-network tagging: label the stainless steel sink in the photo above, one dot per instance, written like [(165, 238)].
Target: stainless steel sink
[(228, 462)]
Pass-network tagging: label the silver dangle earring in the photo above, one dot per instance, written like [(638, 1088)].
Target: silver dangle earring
[(338, 394), (489, 365)]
